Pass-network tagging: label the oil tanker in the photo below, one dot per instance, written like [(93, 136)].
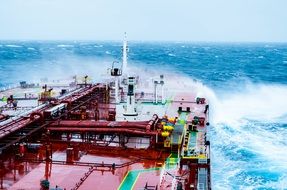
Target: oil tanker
[(133, 130)]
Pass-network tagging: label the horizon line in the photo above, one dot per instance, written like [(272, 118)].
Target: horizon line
[(136, 41)]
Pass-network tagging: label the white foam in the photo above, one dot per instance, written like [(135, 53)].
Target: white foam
[(257, 102), (64, 45), (171, 54), (13, 46)]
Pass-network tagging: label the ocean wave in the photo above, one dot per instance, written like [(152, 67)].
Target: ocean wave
[(249, 138), (256, 159)]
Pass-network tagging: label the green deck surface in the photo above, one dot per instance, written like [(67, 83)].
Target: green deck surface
[(151, 103), (192, 140), (178, 128), (171, 161), (132, 176)]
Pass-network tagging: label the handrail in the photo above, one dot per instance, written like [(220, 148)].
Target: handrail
[(93, 164)]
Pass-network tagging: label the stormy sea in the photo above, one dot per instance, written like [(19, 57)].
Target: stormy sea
[(247, 85)]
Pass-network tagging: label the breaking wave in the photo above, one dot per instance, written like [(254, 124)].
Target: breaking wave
[(249, 138)]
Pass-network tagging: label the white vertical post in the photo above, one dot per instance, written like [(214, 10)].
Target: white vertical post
[(155, 92), (125, 53), (162, 89), (162, 94), (117, 89)]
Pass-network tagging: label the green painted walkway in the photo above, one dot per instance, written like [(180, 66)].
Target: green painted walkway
[(131, 178), (191, 142), (182, 117), (192, 139), (179, 128)]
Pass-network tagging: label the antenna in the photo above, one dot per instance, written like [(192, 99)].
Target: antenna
[(125, 53)]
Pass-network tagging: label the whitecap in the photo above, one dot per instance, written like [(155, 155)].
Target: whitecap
[(64, 45), (13, 46), (98, 46), (267, 46), (30, 48), (260, 57), (171, 54), (107, 52)]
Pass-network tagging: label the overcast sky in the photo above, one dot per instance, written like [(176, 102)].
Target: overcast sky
[(171, 20)]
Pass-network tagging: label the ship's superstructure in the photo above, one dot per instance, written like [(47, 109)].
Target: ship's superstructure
[(130, 132)]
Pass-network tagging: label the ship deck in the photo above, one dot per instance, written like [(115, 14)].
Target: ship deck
[(99, 159)]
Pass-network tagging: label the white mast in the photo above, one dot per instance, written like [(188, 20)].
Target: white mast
[(125, 54)]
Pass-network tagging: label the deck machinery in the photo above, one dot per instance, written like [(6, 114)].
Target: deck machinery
[(120, 134)]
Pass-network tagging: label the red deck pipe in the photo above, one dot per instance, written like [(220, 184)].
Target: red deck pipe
[(103, 130), (100, 124)]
